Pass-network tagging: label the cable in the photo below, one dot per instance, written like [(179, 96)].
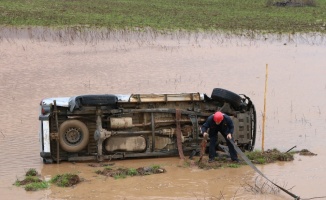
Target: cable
[(245, 158)]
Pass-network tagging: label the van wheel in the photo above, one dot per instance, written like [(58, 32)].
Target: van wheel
[(74, 135), (226, 96)]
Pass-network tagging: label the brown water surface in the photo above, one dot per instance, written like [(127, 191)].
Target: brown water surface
[(40, 63)]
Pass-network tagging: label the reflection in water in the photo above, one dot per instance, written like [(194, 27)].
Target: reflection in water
[(40, 63)]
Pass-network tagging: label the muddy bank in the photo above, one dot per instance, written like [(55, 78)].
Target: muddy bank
[(153, 38)]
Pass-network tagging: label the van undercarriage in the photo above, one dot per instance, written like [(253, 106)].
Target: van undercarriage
[(104, 127)]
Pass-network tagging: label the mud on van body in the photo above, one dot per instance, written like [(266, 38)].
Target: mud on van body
[(102, 127)]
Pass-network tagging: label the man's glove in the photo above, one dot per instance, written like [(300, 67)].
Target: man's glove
[(205, 135)]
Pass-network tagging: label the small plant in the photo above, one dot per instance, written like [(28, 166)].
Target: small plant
[(156, 167), (32, 183), (260, 160), (108, 167), (185, 164), (223, 159), (233, 165), (31, 172), (254, 155), (65, 180), (27, 180), (120, 176), (121, 173), (36, 186), (17, 183), (269, 156), (132, 172)]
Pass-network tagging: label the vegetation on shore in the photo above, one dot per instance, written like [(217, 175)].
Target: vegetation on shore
[(32, 182), (65, 180), (190, 15), (256, 157), (124, 172)]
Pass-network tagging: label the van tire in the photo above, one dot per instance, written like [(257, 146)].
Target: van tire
[(74, 135), (226, 96)]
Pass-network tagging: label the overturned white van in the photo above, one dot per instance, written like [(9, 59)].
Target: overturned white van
[(114, 126)]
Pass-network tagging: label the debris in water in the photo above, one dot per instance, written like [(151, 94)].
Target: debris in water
[(306, 152)]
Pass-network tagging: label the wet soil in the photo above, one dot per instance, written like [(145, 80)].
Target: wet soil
[(39, 63)]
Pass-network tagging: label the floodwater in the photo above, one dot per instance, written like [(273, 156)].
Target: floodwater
[(39, 63)]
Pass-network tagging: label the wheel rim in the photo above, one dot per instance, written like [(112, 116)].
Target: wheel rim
[(73, 136)]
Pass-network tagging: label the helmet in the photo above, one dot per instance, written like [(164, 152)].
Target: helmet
[(218, 117)]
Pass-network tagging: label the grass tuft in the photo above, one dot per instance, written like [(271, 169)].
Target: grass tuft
[(31, 181), (31, 172), (269, 156), (132, 172), (36, 186), (65, 180), (121, 173)]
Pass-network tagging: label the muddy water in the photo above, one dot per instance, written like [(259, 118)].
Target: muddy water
[(40, 63)]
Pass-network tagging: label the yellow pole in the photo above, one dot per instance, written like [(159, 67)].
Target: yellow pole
[(264, 115)]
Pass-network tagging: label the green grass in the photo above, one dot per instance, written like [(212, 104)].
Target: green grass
[(230, 15), (32, 182), (260, 160), (65, 180), (132, 172), (108, 167), (119, 176), (155, 167), (232, 165), (36, 186), (31, 172), (121, 172), (258, 157), (269, 156)]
